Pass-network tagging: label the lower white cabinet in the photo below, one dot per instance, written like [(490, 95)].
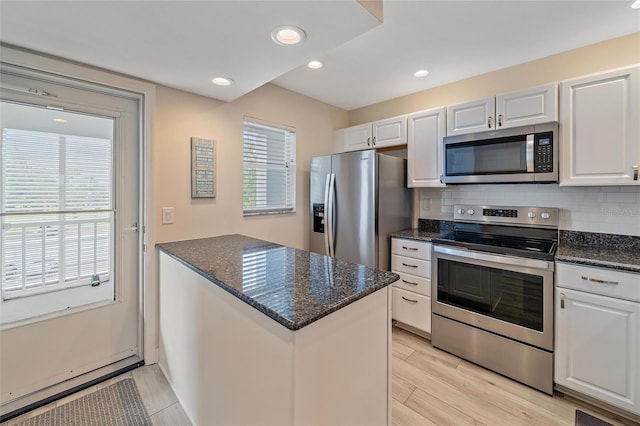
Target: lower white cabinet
[(598, 334), (411, 294)]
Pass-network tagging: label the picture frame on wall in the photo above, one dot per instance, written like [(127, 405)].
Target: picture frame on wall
[(203, 168)]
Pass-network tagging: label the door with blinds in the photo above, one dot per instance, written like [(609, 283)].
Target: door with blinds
[(70, 247)]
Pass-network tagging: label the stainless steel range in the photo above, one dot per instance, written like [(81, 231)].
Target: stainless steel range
[(492, 290)]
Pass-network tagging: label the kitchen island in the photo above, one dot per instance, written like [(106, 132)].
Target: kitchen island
[(252, 332)]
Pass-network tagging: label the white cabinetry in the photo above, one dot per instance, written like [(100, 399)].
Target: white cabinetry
[(424, 148), (411, 305), (597, 349), (379, 134), (600, 129), (524, 107)]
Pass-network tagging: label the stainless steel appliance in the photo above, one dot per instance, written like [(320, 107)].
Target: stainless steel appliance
[(356, 199), (518, 154), (492, 290)]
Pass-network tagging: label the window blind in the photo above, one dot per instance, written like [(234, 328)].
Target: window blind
[(57, 205), (269, 169)]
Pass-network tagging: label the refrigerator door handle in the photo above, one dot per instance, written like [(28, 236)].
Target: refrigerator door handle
[(332, 215), (327, 215)]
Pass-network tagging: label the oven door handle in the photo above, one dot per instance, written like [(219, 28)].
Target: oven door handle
[(516, 261)]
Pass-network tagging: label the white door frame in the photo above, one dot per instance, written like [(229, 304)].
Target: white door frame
[(147, 91)]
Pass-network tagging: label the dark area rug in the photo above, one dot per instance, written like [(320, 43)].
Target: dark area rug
[(584, 419), (118, 404)]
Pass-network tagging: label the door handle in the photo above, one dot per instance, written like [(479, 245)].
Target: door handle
[(595, 280), (374, 141), (561, 300), (332, 213)]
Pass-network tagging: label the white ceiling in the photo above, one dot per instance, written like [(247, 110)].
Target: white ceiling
[(183, 44)]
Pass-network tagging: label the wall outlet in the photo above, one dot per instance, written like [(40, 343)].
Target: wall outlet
[(167, 215)]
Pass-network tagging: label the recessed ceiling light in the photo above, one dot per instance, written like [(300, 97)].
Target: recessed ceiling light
[(314, 65), (222, 81), (59, 120), (421, 73), (288, 35), (635, 4)]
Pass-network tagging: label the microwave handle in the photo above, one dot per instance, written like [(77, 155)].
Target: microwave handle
[(530, 146)]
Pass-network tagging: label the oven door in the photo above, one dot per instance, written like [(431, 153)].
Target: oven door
[(509, 296)]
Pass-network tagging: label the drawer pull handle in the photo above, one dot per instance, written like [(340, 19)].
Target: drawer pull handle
[(410, 248), (409, 300), (408, 282), (594, 280), (409, 266)]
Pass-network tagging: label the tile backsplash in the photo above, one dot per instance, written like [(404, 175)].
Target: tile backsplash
[(609, 210)]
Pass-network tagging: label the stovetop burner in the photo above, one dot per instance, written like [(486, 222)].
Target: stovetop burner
[(516, 231)]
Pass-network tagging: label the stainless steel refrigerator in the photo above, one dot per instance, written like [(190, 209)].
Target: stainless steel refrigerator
[(356, 200)]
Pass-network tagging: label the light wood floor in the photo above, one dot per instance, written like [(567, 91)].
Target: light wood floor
[(430, 387), (158, 398)]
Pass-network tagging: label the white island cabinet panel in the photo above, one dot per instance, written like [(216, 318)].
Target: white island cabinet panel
[(228, 363)]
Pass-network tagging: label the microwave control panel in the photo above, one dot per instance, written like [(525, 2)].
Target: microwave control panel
[(543, 162)]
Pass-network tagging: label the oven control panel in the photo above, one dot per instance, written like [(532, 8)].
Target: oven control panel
[(538, 216)]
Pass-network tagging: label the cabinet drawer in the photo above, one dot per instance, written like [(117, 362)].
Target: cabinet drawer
[(409, 265), (413, 283), (411, 248), (412, 309), (607, 282)]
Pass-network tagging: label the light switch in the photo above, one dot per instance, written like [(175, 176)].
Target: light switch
[(167, 215)]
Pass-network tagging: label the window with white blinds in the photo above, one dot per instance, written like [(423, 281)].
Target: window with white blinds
[(57, 211), (269, 169)]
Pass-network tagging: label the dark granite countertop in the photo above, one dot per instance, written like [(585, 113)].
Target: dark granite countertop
[(293, 287), (415, 234), (621, 252)]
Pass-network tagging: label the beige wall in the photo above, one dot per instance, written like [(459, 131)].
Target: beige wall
[(181, 115), (598, 57)]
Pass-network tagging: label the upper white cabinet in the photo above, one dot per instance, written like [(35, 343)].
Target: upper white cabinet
[(524, 107), (600, 129), (379, 134), (424, 148)]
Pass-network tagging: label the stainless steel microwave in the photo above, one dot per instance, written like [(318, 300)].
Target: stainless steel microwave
[(518, 154)]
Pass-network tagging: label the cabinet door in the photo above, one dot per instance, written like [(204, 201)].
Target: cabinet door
[(600, 129), (525, 107), (424, 148), (390, 132), (469, 117), (597, 347), (357, 137), (412, 309)]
